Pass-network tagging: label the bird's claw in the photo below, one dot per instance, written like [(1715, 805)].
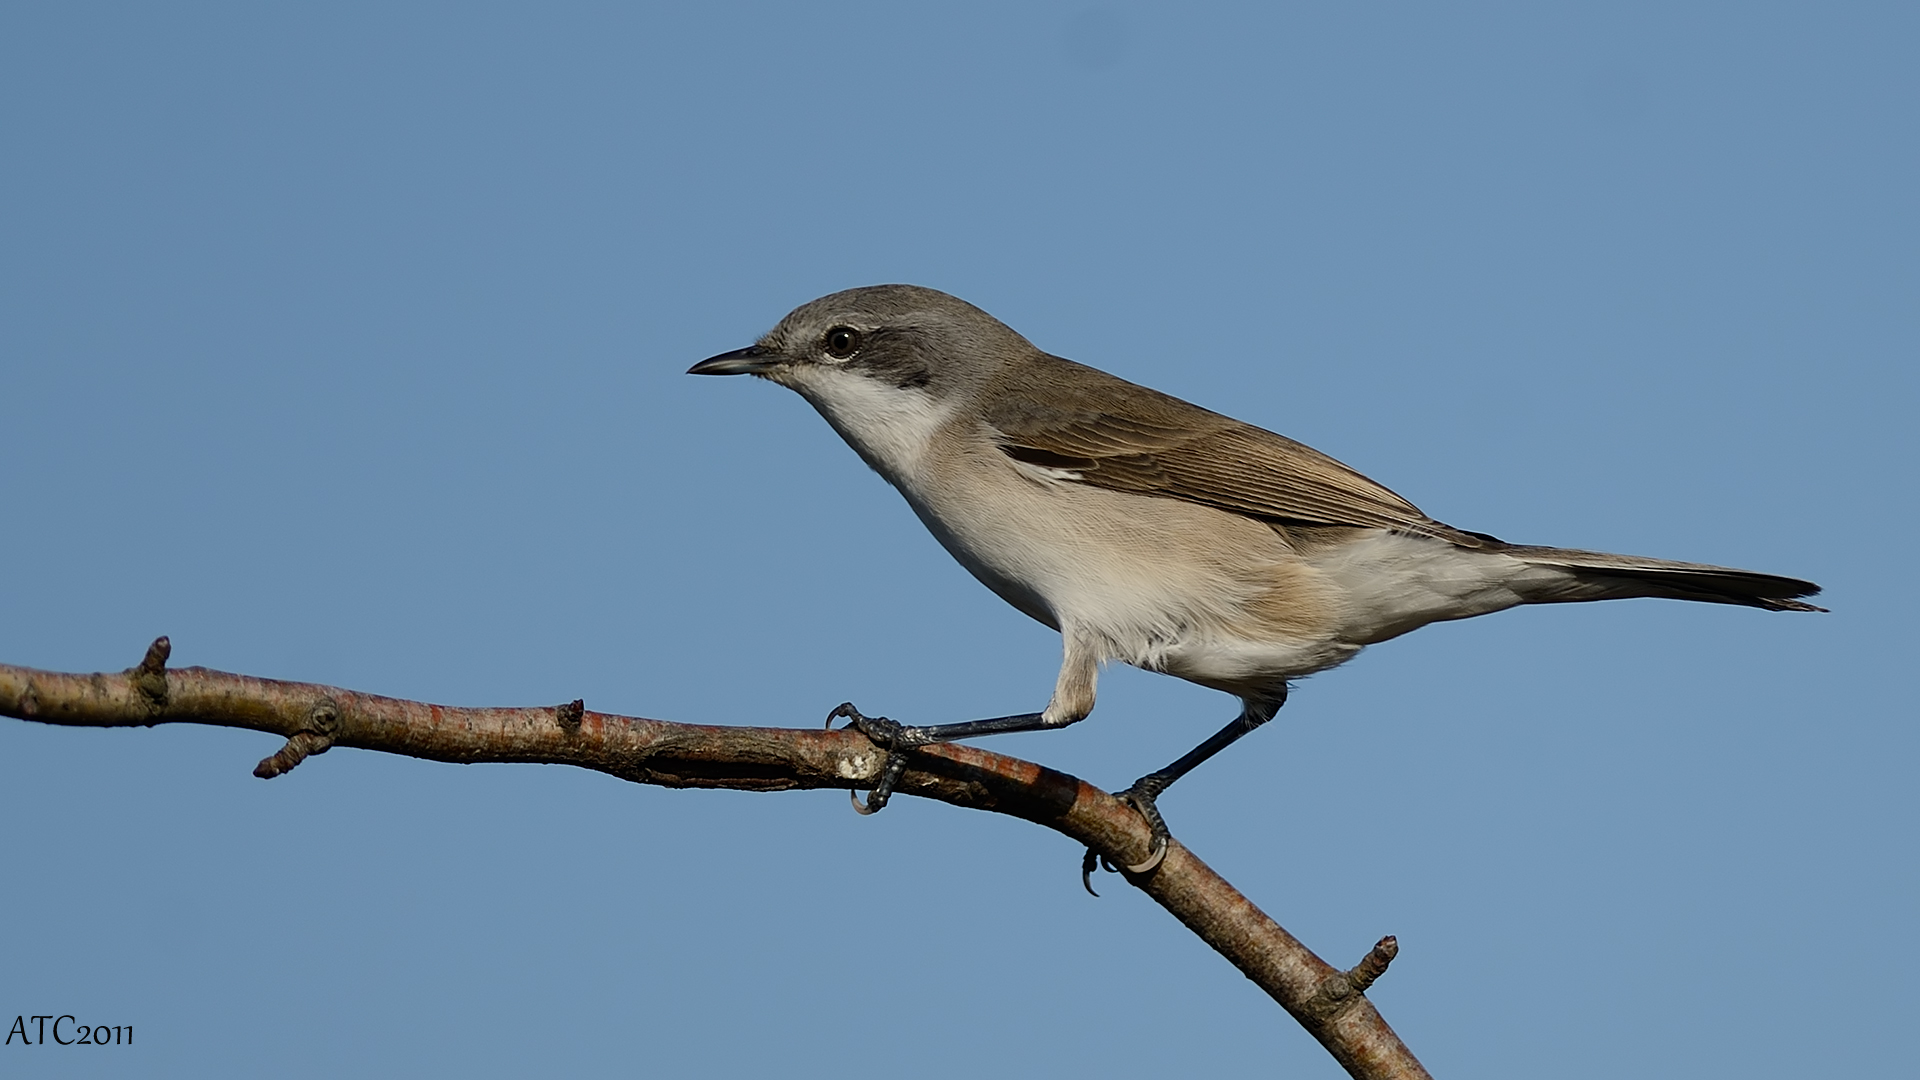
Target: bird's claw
[(846, 711), (882, 732), (890, 735), (1141, 797), (1088, 863), (883, 787)]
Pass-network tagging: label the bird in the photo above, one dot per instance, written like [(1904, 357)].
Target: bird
[(1151, 531)]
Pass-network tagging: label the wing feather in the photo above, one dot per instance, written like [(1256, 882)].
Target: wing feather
[(1117, 435)]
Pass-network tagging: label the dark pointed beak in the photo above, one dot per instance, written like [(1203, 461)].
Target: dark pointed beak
[(748, 361)]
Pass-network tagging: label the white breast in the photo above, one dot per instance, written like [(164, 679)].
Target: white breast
[(1156, 583)]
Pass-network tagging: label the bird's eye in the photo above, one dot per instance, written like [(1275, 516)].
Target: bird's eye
[(842, 342)]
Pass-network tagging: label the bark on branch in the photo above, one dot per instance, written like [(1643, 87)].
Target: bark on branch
[(1330, 1003)]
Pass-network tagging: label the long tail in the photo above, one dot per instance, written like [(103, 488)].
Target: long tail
[(1593, 575)]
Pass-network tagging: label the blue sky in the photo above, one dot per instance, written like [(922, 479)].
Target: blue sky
[(345, 344)]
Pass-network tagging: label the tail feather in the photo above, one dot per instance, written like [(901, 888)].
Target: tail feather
[(1599, 576)]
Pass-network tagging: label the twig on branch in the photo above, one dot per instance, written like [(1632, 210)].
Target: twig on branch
[(1331, 1004), (1343, 986)]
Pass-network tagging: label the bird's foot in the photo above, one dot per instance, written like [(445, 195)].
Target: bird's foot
[(1142, 797), (889, 735)]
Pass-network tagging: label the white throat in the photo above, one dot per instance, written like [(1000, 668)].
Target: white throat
[(888, 426)]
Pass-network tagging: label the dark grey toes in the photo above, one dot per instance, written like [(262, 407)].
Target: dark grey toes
[(1141, 796), (888, 735)]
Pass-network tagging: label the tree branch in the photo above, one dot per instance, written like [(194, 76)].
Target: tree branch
[(1331, 1004)]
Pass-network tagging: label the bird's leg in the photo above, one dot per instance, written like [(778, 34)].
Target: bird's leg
[(897, 738), (1145, 791), (1072, 701)]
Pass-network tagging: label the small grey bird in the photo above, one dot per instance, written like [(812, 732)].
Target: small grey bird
[(1149, 530)]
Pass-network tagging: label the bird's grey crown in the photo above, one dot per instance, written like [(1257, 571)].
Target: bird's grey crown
[(911, 337)]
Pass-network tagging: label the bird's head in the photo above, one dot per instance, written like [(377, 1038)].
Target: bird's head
[(898, 338)]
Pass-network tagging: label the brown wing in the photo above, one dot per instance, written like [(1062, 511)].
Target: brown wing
[(1125, 437)]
